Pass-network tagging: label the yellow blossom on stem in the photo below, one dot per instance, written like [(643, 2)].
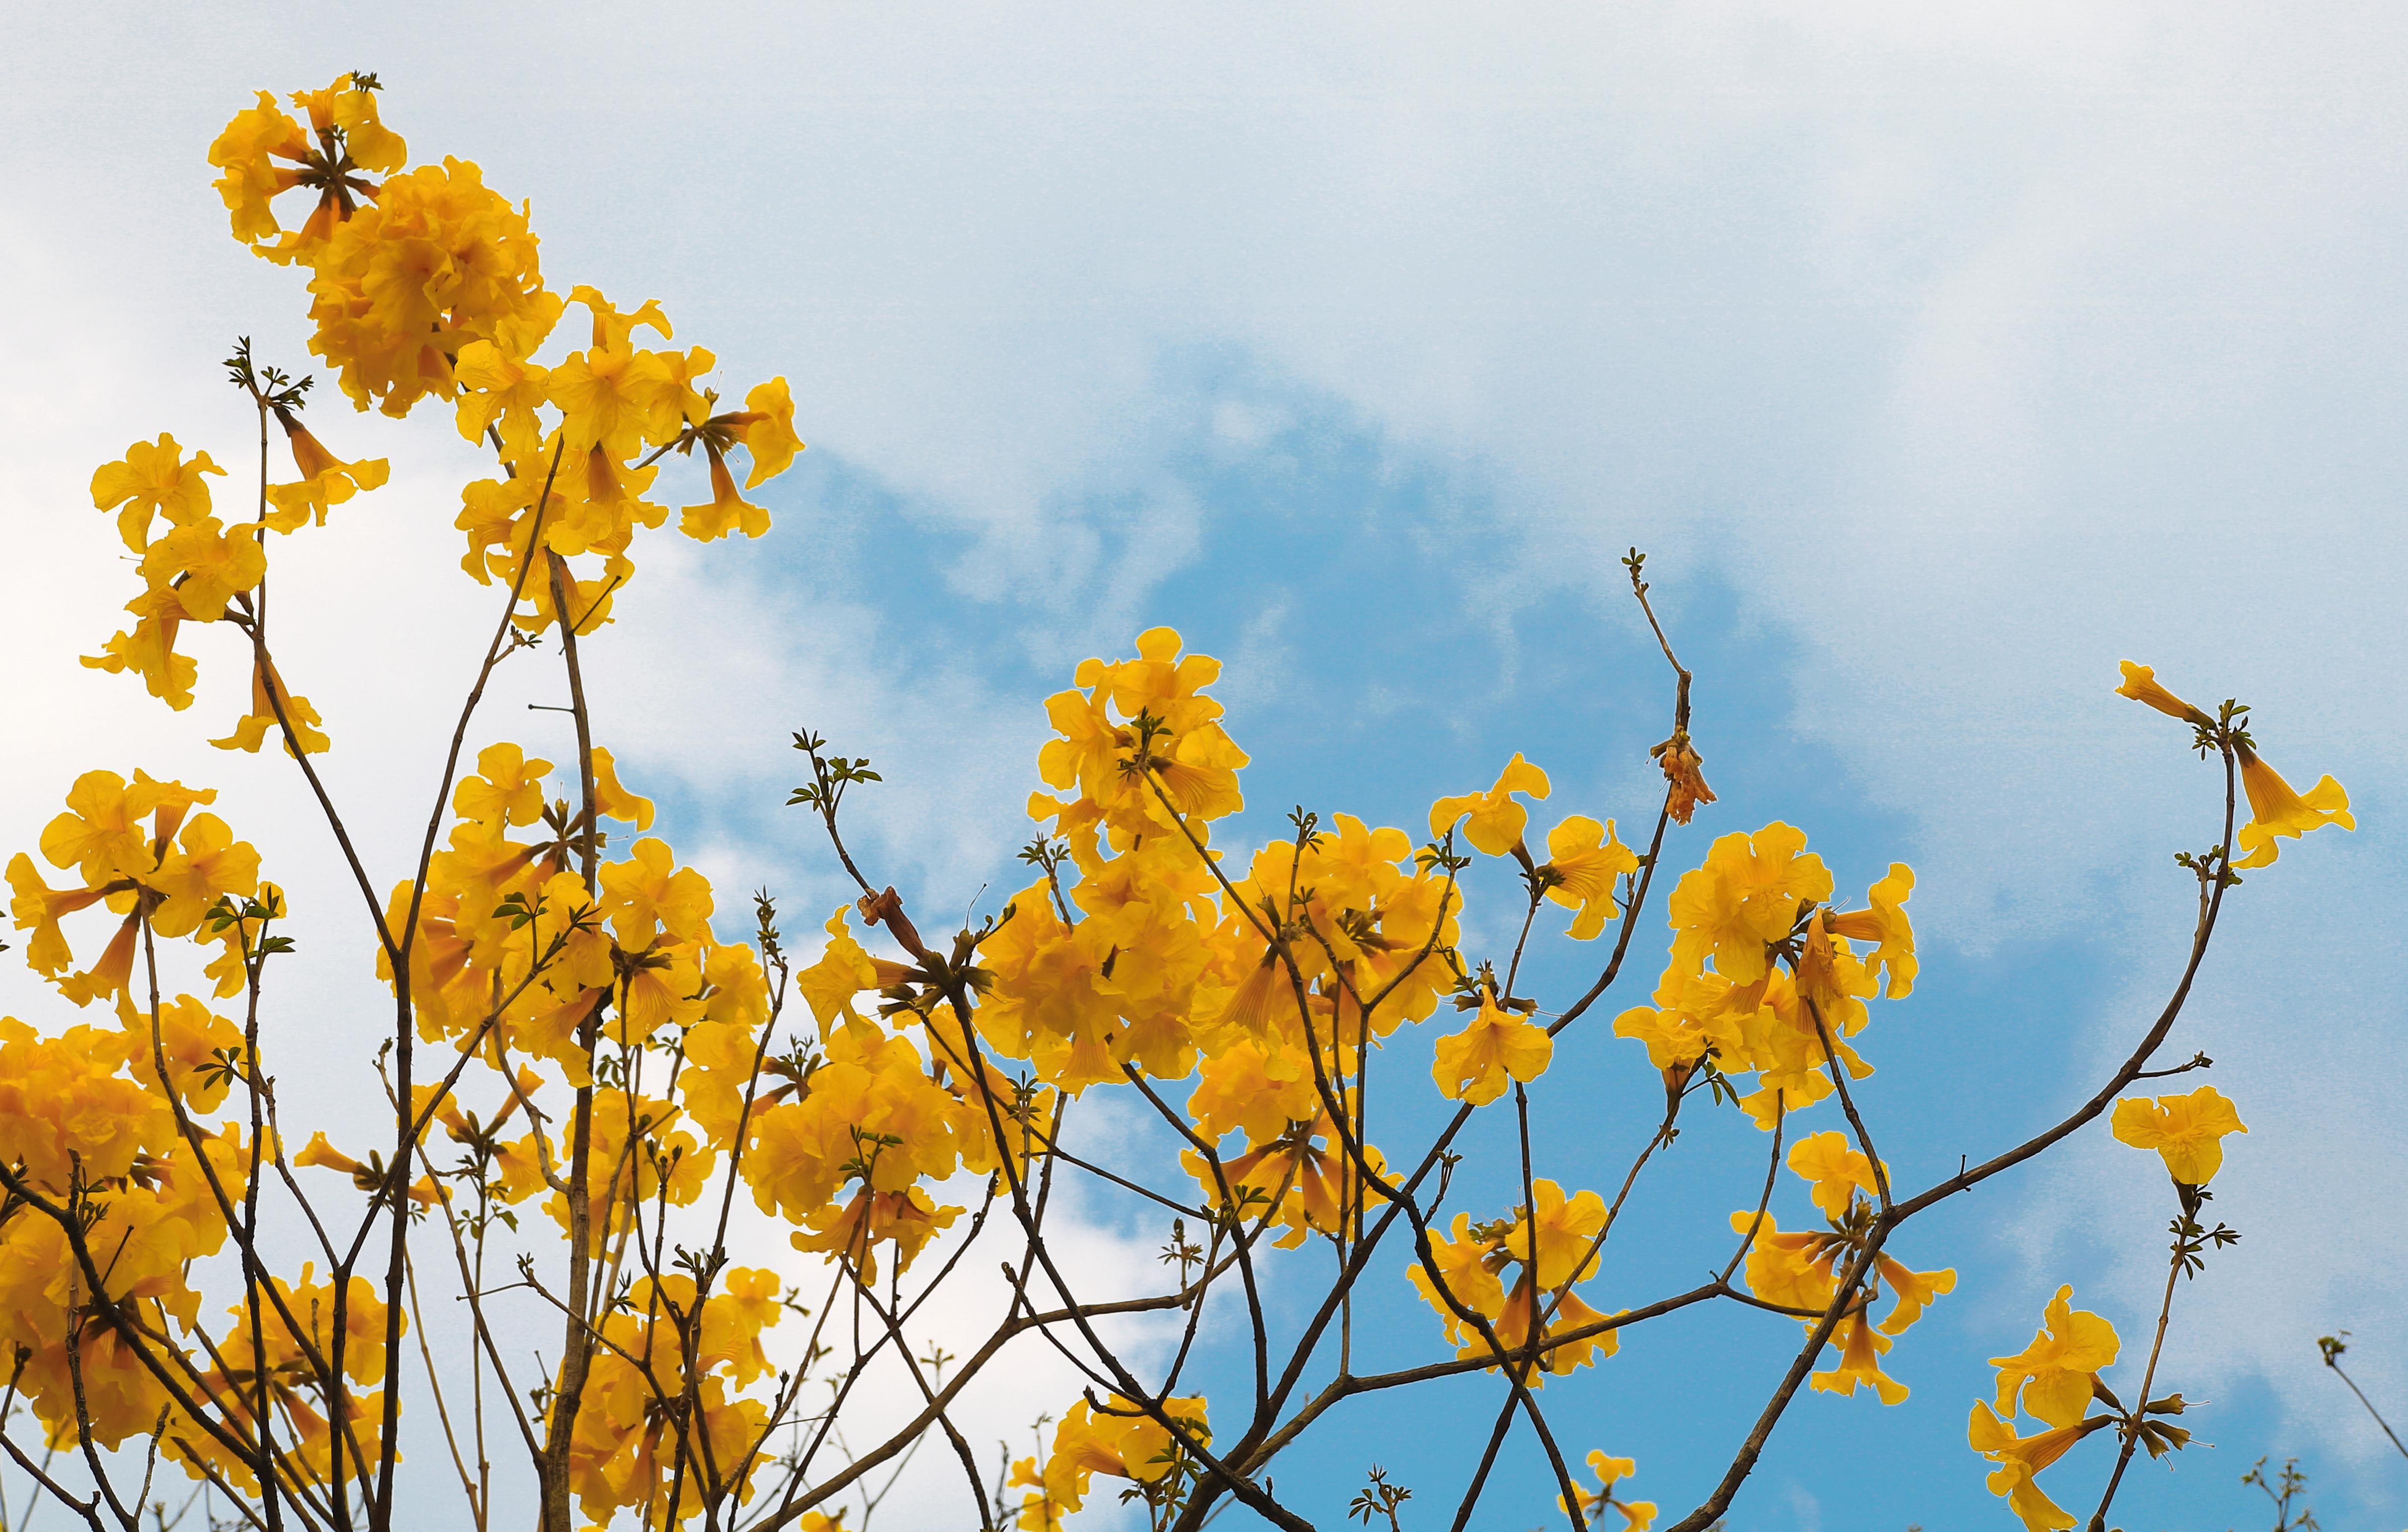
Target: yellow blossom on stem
[(1493, 821), (204, 565), (727, 511), (1886, 927), (1586, 858), (2188, 1130), (255, 725), (766, 426), (1838, 1172), (2140, 686), (246, 152), (2051, 1379), (326, 479), (2020, 1459), (1751, 892), (1473, 1065), (154, 479), (613, 801), (2277, 812), (507, 788)]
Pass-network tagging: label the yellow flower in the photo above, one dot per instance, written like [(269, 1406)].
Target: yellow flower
[(1838, 1172), (506, 789), (1637, 1516), (204, 566), (1465, 1265), (615, 330), (1473, 1063), (2188, 1130), (2276, 811), (326, 479), (649, 893), (607, 399), (2140, 686), (353, 107), (727, 511), (148, 650), (250, 181), (1885, 926), (767, 421), (1860, 1353), (611, 800), (255, 725), (1119, 1442), (1495, 822), (496, 388), (2051, 1378), (1565, 1229), (154, 479), (191, 1036), (1750, 893), (1587, 858), (910, 1219), (2019, 1458)]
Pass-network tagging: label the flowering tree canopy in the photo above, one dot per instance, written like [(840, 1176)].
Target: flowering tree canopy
[(597, 1078)]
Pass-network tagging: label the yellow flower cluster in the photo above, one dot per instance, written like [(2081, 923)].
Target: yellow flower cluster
[(1800, 1270), (296, 1339), (2052, 1380), (1119, 1442), (2276, 812), (670, 1367), (1764, 978), (142, 854), (85, 1138), (405, 271), (1547, 1247), (424, 283), (512, 957)]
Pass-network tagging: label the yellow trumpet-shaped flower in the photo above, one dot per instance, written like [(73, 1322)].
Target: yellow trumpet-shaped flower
[(728, 510), (613, 801), (199, 566), (765, 425), (2188, 1130), (2276, 811), (255, 725), (2051, 1378), (1473, 1065), (2140, 686), (325, 480), (1838, 1172), (1751, 892), (500, 393), (1495, 822), (1586, 858), (154, 479), (1886, 927), (250, 181), (2020, 1458)]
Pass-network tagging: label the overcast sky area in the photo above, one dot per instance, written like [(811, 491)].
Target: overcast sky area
[(1941, 358)]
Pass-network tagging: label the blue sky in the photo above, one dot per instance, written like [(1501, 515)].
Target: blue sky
[(1939, 362)]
